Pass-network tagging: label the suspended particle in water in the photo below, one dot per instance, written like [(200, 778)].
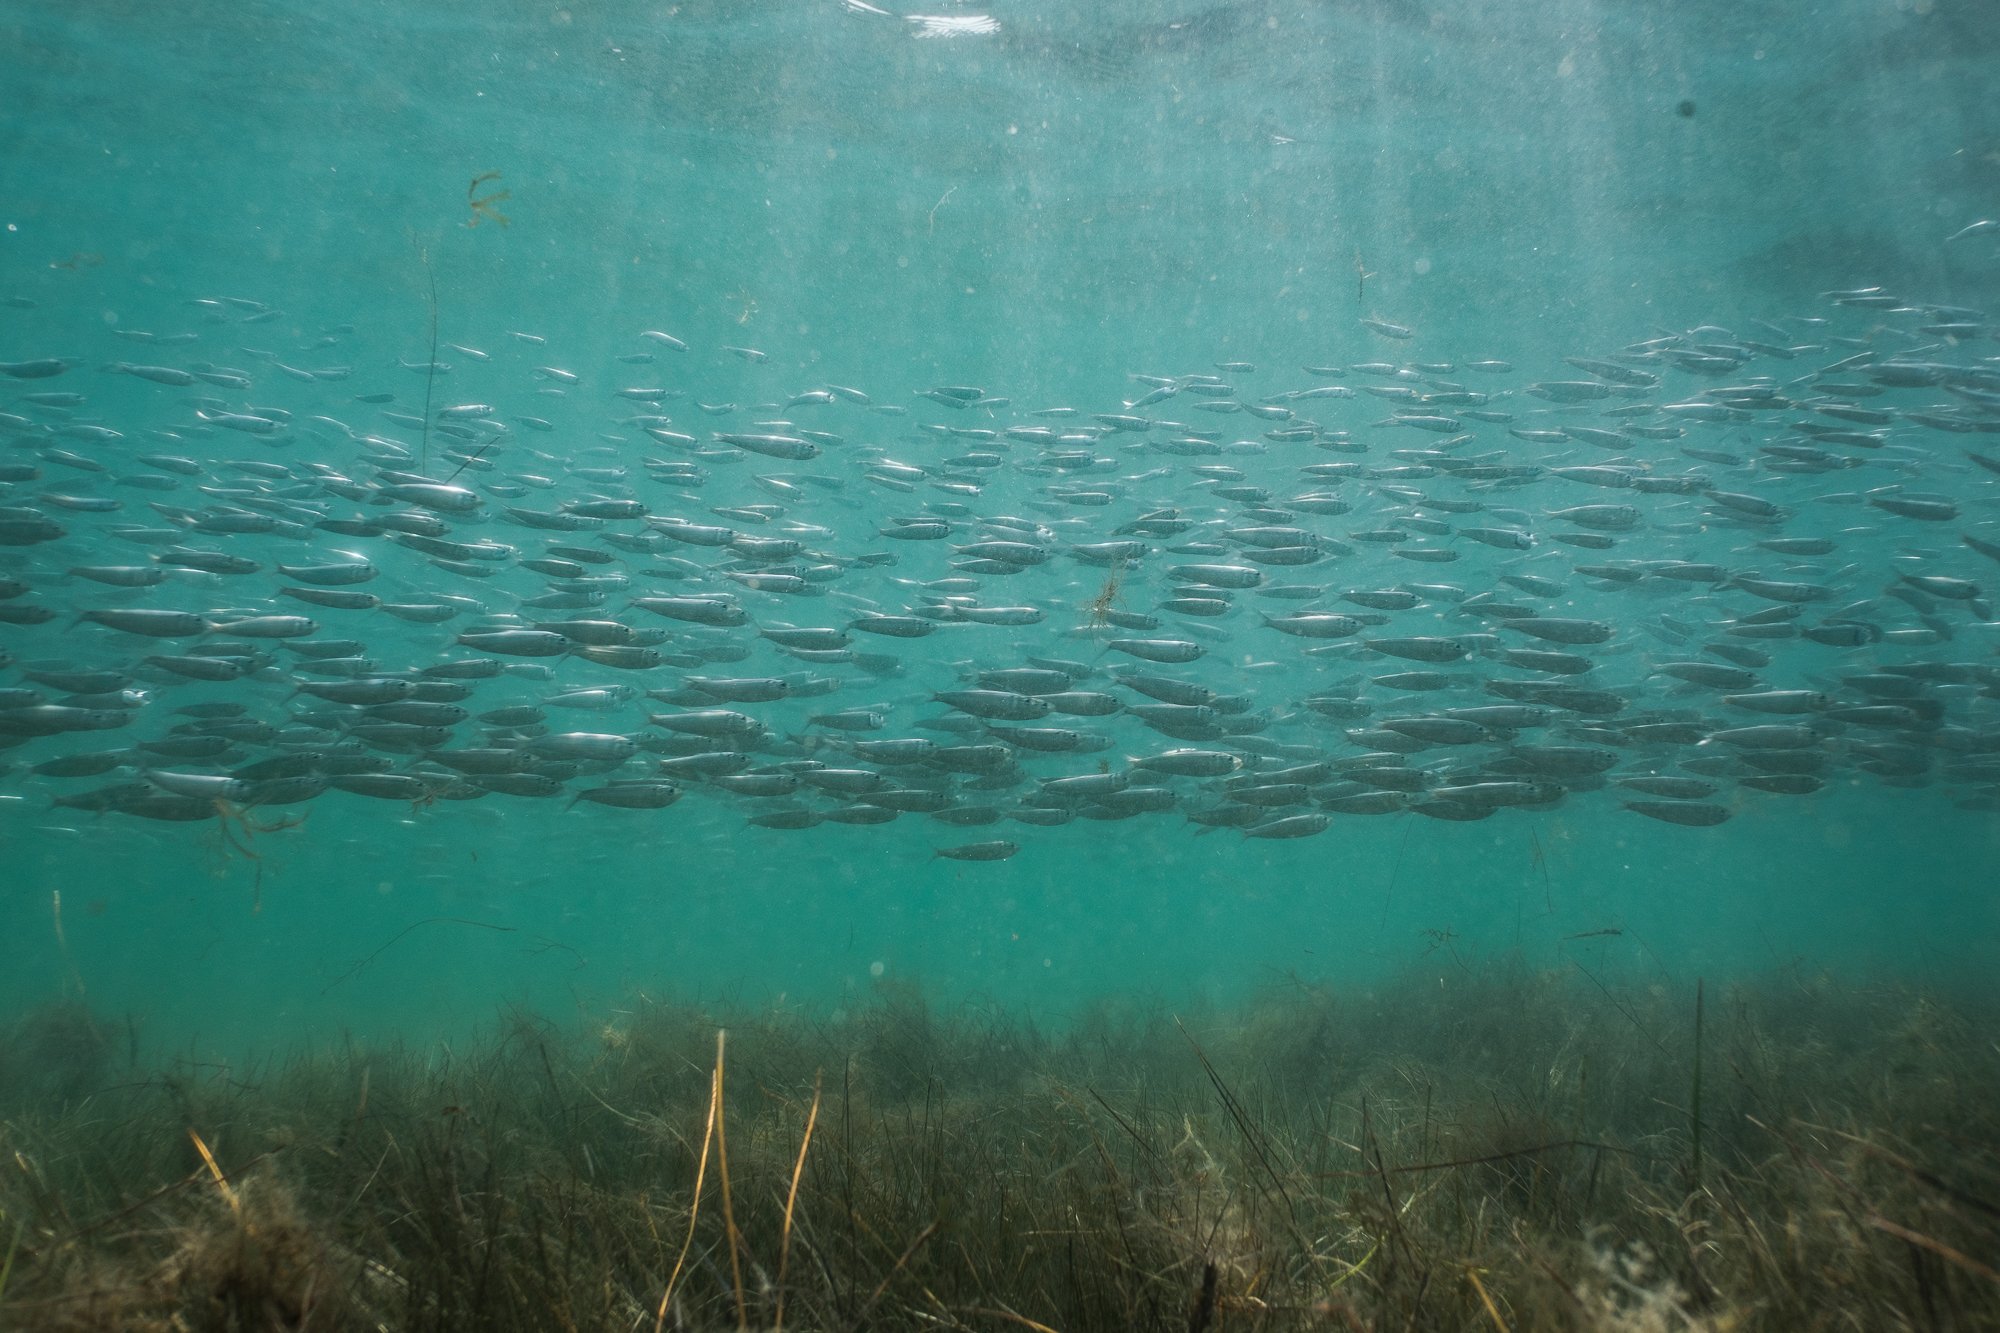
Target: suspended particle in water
[(486, 206)]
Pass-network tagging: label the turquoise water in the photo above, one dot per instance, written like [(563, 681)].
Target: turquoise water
[(1042, 210)]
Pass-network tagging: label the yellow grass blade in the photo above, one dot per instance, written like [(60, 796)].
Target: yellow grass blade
[(728, 1211), (700, 1175), (1492, 1311), (792, 1198), (1011, 1318), (221, 1181), (1937, 1247)]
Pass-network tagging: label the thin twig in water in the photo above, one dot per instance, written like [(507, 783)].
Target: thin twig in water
[(1486, 1160), (1241, 1117), (1629, 1015), (1125, 1124), (882, 1289), (431, 367), (427, 921), (1542, 862), (91, 1228), (469, 461), (1694, 1099), (1906, 1165), (62, 944), (1395, 871)]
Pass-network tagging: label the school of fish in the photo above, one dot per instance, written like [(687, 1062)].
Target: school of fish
[(242, 569)]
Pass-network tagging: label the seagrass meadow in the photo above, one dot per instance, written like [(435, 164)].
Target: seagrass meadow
[(1512, 1150), (1180, 665)]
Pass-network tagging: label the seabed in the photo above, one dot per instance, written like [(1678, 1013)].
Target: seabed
[(1481, 1149)]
